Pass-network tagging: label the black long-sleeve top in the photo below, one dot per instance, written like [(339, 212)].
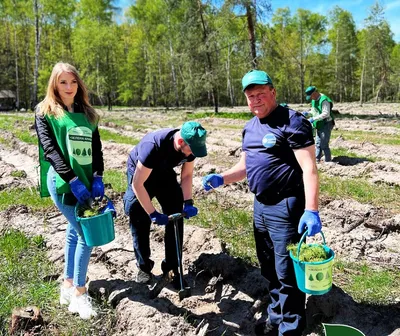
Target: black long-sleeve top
[(53, 154)]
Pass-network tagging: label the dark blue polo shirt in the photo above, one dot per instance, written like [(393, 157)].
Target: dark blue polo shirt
[(156, 151), (269, 143)]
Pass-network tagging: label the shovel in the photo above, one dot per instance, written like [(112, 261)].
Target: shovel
[(184, 292)]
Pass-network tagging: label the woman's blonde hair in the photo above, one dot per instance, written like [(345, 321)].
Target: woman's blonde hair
[(52, 104)]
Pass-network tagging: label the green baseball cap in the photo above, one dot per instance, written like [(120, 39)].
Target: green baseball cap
[(195, 136), (255, 77), (309, 91)]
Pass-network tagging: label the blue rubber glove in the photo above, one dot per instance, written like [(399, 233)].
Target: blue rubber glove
[(311, 120), (79, 190), (189, 210), (159, 218), (306, 113), (311, 220), (212, 181), (97, 187), (110, 208)]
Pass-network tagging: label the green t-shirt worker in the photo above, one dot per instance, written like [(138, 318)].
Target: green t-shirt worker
[(322, 120)]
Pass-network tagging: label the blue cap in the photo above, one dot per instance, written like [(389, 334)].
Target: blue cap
[(309, 91), (255, 77)]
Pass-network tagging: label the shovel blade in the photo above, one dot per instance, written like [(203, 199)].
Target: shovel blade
[(184, 293)]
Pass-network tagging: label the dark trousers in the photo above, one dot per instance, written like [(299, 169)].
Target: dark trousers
[(275, 226), (168, 193)]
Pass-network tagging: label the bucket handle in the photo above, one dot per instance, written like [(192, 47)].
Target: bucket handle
[(302, 240)]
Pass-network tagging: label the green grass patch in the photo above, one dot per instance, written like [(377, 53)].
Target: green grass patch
[(23, 266), (106, 135), (347, 153), (234, 226), (361, 190), (116, 178), (363, 136), (24, 196), (366, 284), (19, 173), (222, 115)]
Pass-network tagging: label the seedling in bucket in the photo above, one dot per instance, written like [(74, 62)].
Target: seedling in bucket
[(97, 222), (313, 266)]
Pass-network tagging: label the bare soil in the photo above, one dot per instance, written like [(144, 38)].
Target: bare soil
[(355, 231)]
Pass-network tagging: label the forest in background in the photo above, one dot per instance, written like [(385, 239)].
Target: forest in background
[(175, 53)]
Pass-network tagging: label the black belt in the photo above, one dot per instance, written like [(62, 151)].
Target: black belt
[(272, 198)]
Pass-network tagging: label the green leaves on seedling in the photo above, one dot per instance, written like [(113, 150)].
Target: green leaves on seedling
[(309, 252), (97, 207)]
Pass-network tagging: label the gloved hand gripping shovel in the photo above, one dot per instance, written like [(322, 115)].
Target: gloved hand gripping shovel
[(167, 277)]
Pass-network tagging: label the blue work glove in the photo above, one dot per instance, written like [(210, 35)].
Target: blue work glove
[(311, 220), (189, 210), (311, 120), (97, 187), (79, 190), (110, 208), (159, 218), (212, 181), (306, 113)]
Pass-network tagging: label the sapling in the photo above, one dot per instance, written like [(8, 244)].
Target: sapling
[(92, 208), (309, 252)]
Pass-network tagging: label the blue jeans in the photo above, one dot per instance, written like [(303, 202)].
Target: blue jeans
[(322, 138), (275, 226), (77, 253), (168, 193)]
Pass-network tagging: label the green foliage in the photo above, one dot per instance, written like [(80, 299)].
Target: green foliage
[(181, 53), (366, 284), (18, 173), (230, 223), (107, 135), (361, 190), (116, 179), (309, 252), (23, 266), (28, 197), (24, 270)]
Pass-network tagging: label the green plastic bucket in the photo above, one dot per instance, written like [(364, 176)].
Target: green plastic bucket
[(97, 230), (314, 277)]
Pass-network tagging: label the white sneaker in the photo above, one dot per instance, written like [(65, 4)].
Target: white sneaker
[(82, 304), (65, 295)]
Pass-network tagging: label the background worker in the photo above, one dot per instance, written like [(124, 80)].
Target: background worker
[(322, 120), (150, 173), (278, 159), (71, 169)]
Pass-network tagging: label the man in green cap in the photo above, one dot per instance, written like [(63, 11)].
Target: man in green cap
[(278, 159), (150, 172), (322, 120)]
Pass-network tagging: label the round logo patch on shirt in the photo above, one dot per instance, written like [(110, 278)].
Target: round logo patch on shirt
[(269, 140)]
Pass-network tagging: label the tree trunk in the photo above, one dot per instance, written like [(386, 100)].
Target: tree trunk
[(209, 62), (173, 73), (34, 99), (16, 70), (229, 86), (252, 38), (362, 79)]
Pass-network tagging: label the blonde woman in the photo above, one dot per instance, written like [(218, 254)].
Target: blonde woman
[(71, 168)]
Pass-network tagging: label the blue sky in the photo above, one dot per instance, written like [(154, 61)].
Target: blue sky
[(358, 8)]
